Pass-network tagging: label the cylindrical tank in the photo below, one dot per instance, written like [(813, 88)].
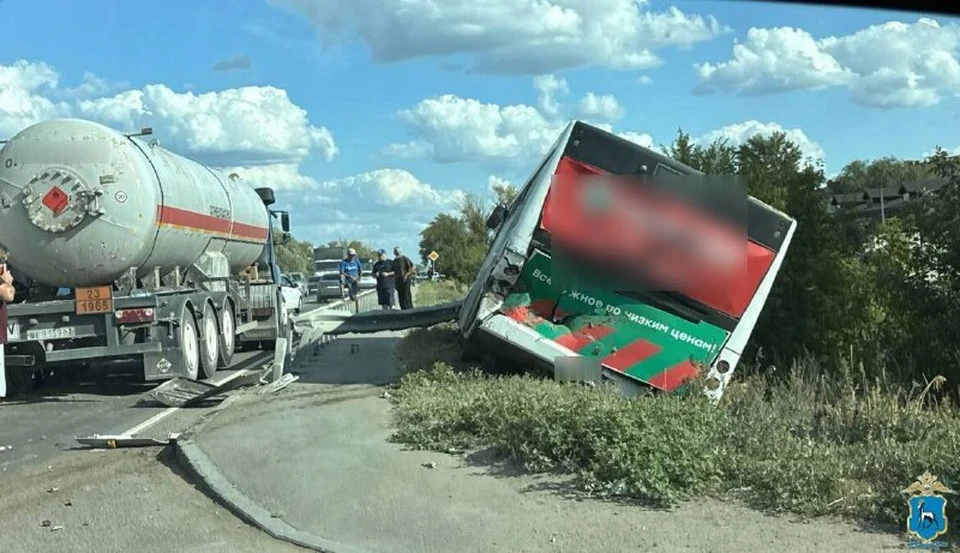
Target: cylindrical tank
[(80, 204)]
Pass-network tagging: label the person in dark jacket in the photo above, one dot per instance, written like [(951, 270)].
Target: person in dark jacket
[(403, 270), (383, 271)]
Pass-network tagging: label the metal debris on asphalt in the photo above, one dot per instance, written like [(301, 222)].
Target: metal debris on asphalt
[(114, 442), (178, 392), (430, 465), (284, 381)]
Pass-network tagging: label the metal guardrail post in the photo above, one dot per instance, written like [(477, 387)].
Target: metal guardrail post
[(279, 358)]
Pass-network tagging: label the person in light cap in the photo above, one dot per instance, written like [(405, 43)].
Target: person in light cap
[(350, 269), (403, 270)]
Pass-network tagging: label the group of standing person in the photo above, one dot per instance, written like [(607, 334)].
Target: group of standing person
[(391, 274)]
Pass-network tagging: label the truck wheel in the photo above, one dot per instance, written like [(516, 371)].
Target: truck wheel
[(228, 336), (189, 344), (210, 343)]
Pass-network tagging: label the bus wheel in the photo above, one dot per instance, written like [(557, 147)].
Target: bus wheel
[(210, 341)]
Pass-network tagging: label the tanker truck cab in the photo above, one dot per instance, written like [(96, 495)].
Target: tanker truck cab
[(267, 317), (167, 262)]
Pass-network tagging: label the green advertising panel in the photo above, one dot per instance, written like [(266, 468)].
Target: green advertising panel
[(634, 338)]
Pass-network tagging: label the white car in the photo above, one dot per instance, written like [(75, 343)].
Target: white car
[(367, 281), (292, 294), (300, 281)]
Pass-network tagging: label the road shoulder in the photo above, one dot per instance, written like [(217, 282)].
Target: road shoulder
[(318, 457)]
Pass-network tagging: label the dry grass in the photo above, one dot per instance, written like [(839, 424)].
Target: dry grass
[(432, 293)]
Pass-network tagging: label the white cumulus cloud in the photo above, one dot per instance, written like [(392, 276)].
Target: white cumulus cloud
[(642, 139), (738, 133), (24, 87), (253, 125), (353, 207), (600, 107), (509, 36), (454, 129), (893, 64), (548, 87), (451, 129)]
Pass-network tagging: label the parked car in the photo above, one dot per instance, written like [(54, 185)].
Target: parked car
[(301, 282), (367, 282), (292, 296), (328, 287), (312, 284)]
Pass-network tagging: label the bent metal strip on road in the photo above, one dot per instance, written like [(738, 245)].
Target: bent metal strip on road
[(135, 430)]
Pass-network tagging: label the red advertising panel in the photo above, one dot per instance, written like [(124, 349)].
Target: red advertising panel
[(674, 245)]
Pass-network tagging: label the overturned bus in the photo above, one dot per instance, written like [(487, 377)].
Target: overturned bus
[(639, 337)]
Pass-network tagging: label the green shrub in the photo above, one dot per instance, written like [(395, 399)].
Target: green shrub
[(801, 444)]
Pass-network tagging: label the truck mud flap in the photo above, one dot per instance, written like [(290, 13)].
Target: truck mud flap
[(163, 360), (334, 322)]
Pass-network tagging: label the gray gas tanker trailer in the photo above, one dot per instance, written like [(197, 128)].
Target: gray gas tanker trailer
[(156, 257)]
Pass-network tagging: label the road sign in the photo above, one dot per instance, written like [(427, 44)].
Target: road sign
[(433, 256)]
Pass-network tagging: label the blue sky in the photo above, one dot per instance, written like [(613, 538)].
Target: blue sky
[(839, 83)]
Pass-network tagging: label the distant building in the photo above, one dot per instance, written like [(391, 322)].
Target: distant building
[(878, 203)]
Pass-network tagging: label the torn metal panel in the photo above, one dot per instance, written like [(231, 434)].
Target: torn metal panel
[(279, 384), (179, 392), (533, 343), (341, 322), (505, 258)]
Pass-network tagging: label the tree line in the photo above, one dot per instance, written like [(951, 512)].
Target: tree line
[(296, 256), (856, 296)]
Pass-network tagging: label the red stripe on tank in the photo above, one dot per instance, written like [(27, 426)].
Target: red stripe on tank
[(249, 231), (176, 217)]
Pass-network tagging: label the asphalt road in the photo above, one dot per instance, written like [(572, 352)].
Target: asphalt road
[(37, 428), (119, 500)]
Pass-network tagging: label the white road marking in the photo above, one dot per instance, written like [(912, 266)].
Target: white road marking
[(150, 422), (169, 411)]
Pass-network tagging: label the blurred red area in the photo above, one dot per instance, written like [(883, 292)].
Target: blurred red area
[(620, 224)]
